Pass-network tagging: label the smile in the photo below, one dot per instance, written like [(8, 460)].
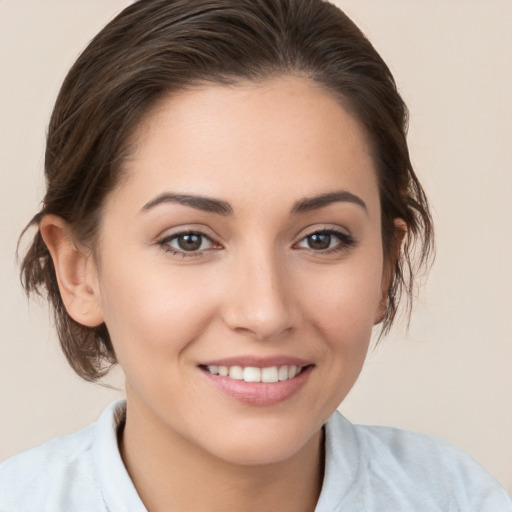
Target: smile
[(258, 381), (255, 374)]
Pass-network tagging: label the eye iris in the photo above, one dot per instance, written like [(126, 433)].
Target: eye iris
[(190, 242), (319, 241)]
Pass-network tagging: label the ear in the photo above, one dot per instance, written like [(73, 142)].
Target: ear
[(389, 268), (75, 270)]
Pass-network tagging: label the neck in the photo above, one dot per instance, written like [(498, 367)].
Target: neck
[(171, 474)]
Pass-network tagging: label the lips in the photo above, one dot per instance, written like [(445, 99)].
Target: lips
[(257, 381)]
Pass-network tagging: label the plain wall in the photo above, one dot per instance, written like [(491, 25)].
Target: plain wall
[(450, 374)]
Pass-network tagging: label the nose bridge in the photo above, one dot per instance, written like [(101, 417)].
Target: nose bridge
[(258, 301)]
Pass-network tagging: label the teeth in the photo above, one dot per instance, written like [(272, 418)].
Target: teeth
[(253, 374), (283, 373), (236, 372), (270, 374)]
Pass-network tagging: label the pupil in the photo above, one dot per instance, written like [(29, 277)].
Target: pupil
[(319, 241), (189, 242)]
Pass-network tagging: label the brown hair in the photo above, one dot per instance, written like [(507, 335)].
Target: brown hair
[(157, 47)]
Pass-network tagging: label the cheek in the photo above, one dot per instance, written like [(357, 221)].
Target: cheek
[(343, 306), (153, 315)]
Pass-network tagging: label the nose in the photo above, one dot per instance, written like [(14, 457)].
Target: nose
[(260, 303)]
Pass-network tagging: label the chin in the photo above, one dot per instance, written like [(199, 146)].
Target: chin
[(262, 445)]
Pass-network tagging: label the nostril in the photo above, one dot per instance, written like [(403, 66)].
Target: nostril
[(263, 334), (257, 304)]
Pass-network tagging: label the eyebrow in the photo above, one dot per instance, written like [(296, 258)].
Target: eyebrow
[(206, 204), (220, 207), (308, 204)]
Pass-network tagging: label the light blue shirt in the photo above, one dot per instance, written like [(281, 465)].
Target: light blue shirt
[(367, 469)]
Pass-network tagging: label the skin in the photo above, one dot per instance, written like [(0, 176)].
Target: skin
[(257, 288)]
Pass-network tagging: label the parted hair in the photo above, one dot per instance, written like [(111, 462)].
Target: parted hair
[(155, 48)]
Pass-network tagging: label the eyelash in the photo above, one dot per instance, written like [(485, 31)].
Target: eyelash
[(165, 244), (345, 242)]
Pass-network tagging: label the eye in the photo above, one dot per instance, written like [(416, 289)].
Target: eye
[(188, 243), (326, 240)]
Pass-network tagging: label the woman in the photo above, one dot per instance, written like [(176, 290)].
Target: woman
[(230, 210)]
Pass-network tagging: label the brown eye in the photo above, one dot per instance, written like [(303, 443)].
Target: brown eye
[(187, 243), (326, 241), (190, 242), (319, 241)]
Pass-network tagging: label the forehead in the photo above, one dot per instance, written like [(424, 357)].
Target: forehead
[(284, 137)]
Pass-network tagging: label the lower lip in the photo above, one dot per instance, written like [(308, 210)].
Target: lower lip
[(259, 393)]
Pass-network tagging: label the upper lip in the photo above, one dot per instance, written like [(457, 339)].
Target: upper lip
[(257, 361)]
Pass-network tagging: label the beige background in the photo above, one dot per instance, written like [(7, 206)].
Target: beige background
[(451, 374)]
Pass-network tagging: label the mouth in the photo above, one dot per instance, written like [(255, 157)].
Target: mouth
[(257, 382), (267, 374)]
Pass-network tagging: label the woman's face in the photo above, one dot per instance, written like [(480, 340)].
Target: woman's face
[(245, 240)]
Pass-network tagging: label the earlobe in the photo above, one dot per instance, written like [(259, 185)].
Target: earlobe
[(381, 310), (389, 268), (400, 232), (75, 271)]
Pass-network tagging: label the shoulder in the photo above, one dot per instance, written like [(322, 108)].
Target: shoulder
[(41, 475), (415, 469), (64, 473), (421, 456)]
